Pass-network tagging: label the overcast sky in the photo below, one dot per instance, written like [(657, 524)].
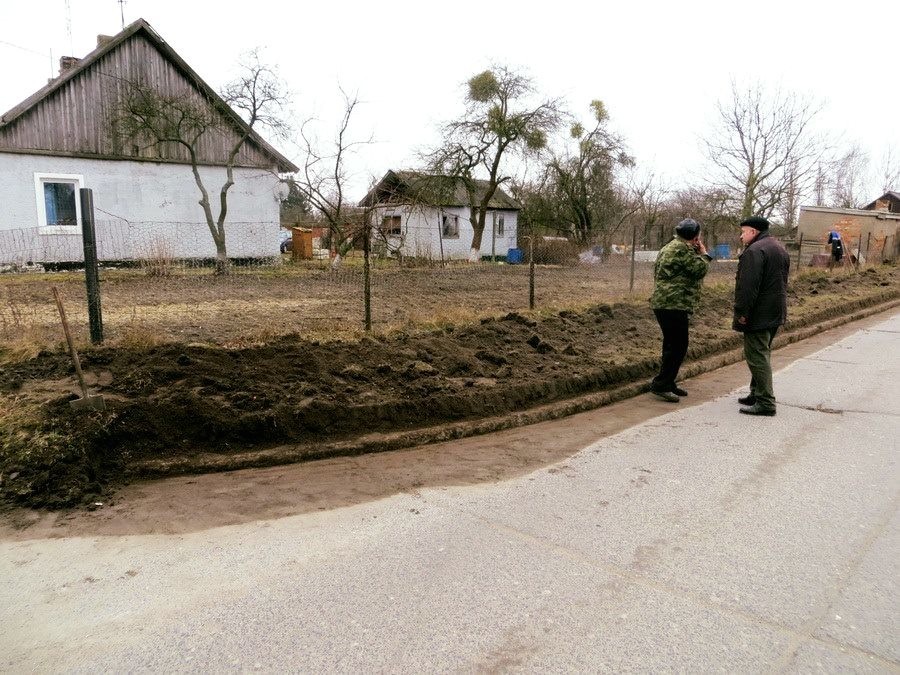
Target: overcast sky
[(660, 67)]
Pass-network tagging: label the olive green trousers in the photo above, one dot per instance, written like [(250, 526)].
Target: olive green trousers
[(758, 353)]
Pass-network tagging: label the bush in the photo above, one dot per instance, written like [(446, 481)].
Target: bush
[(555, 251)]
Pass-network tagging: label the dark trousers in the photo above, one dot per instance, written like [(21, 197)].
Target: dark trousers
[(758, 352), (674, 326)]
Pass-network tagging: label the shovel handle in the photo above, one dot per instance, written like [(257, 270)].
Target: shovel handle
[(65, 324)]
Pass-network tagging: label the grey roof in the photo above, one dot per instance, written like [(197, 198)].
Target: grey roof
[(141, 26), (890, 194), (398, 187), (869, 213)]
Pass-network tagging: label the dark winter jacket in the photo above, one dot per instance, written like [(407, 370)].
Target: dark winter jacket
[(760, 291), (678, 272)]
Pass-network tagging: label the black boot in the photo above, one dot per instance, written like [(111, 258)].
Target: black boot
[(665, 396), (749, 399), (755, 409)]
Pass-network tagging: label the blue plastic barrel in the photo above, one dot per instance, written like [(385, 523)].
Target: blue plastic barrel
[(722, 251), (514, 256)]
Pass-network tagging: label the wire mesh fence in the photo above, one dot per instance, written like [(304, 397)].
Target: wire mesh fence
[(158, 283), (865, 249)]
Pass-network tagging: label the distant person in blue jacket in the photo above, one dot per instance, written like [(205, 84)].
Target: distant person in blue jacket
[(837, 248)]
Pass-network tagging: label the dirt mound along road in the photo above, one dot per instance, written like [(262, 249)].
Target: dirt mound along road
[(178, 400)]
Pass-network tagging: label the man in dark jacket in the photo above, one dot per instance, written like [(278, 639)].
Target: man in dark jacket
[(760, 308)]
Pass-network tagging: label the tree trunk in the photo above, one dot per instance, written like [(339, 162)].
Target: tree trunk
[(476, 217), (218, 233), (223, 265)]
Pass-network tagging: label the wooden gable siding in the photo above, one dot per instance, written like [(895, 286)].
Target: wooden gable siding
[(78, 119)]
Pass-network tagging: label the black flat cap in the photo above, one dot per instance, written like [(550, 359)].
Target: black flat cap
[(756, 222)]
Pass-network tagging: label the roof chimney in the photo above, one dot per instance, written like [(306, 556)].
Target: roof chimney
[(66, 63), (104, 39)]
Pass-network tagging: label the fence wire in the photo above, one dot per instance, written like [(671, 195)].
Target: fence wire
[(158, 283)]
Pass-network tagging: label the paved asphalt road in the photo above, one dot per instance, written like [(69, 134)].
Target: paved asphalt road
[(701, 540)]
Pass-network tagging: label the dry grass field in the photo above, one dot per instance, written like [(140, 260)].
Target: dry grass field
[(255, 305)]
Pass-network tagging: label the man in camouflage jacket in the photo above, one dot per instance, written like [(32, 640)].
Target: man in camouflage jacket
[(678, 273)]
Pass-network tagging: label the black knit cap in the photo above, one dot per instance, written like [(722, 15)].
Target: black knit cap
[(756, 222)]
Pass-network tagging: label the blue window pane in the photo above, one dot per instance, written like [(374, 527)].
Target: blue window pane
[(59, 201)]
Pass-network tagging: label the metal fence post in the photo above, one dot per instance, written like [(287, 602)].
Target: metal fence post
[(633, 246), (367, 274), (91, 268), (868, 247), (799, 250), (531, 271)]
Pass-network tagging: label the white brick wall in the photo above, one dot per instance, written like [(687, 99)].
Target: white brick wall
[(422, 232)]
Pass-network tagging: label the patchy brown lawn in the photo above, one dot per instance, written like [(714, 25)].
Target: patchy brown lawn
[(175, 399), (255, 305)]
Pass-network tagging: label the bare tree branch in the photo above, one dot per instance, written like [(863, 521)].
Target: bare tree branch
[(150, 118), (763, 151)]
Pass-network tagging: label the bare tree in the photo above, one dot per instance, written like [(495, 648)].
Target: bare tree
[(709, 205), (585, 181), (652, 198), (324, 176), (793, 193), (888, 172), (762, 148), (149, 117), (498, 121), (849, 178), (820, 185)]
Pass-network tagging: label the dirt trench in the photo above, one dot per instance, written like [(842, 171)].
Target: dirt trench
[(179, 400)]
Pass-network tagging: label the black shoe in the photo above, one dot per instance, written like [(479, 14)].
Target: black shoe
[(665, 396), (678, 391), (755, 409), (749, 399)]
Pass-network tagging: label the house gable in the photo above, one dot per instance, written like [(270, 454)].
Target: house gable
[(75, 114), (889, 201)]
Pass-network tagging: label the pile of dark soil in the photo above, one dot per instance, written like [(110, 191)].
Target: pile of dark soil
[(176, 400)]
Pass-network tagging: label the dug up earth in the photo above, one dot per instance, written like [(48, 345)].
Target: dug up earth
[(179, 400)]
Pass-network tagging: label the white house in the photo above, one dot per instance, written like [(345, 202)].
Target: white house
[(65, 137), (428, 216)]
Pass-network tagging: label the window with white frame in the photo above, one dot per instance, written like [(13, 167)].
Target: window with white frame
[(450, 227), (58, 204)]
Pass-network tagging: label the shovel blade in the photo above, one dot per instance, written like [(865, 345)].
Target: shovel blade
[(88, 403)]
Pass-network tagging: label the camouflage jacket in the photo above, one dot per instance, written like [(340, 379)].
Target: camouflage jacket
[(677, 274)]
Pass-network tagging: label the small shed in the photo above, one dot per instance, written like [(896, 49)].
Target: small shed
[(430, 216), (873, 233)]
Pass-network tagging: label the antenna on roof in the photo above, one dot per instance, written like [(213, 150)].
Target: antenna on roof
[(122, 12), (69, 26)]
